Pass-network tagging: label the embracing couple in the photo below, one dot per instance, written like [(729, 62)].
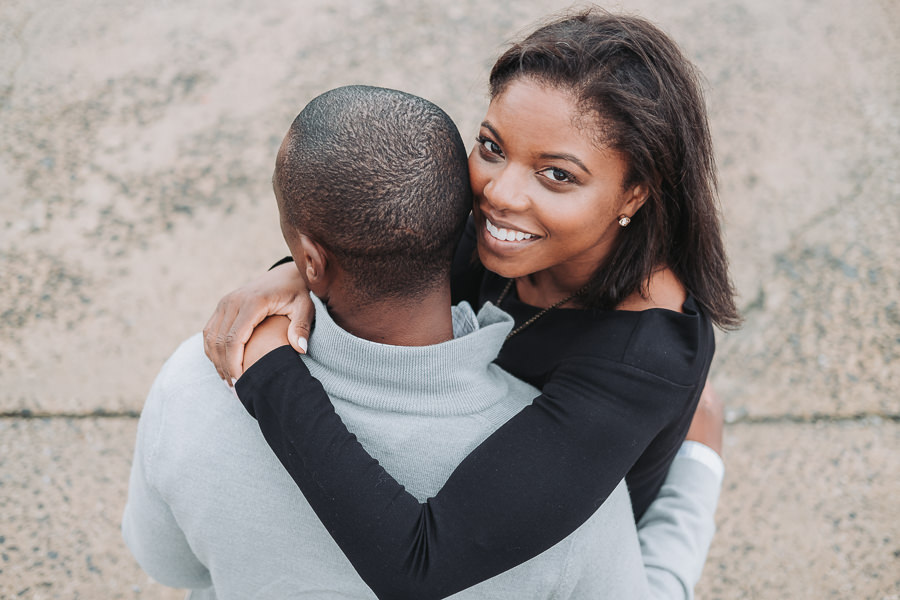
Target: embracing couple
[(506, 356)]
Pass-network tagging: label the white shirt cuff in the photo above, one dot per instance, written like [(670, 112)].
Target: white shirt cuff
[(705, 455)]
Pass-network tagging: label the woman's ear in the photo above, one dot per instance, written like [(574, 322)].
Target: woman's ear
[(635, 199)]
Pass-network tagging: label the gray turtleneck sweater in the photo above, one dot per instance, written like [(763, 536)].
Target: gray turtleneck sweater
[(211, 509)]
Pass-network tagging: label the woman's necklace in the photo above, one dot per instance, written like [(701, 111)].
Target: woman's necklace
[(541, 313)]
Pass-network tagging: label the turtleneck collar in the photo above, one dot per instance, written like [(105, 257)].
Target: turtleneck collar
[(453, 377)]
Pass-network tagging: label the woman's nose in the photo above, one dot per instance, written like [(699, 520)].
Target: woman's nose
[(506, 191)]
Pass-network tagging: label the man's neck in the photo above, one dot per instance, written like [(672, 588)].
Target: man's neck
[(421, 321)]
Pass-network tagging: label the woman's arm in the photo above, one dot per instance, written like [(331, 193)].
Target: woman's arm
[(525, 488)]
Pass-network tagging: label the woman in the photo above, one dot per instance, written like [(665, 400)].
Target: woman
[(596, 227)]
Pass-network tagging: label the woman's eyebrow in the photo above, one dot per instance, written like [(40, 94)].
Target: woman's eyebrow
[(568, 157), (490, 128)]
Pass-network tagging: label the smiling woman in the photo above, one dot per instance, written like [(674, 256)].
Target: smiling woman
[(596, 224)]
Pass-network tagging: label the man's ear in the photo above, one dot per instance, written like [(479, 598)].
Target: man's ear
[(313, 262)]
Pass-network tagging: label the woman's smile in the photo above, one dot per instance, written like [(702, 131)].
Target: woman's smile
[(506, 234)]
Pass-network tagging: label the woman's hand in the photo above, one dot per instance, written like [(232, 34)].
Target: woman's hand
[(709, 420), (280, 291)]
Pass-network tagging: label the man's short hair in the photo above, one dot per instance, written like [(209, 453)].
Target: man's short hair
[(378, 177)]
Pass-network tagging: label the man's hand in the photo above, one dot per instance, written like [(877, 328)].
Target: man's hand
[(268, 335), (709, 420), (281, 291)]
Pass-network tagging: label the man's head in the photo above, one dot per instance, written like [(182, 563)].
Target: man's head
[(376, 180)]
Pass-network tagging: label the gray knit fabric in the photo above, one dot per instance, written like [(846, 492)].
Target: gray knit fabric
[(211, 508)]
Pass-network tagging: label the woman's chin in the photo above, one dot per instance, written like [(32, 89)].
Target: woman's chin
[(501, 266)]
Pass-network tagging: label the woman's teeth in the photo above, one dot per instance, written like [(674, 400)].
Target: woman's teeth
[(506, 235)]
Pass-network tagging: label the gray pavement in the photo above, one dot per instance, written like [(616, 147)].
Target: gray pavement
[(136, 145)]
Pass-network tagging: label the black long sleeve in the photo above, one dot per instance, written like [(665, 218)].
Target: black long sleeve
[(525, 488)]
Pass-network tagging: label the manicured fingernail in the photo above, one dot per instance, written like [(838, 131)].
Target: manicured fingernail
[(302, 344), (233, 381)]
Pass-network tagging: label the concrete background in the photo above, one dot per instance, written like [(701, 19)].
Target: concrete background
[(136, 144)]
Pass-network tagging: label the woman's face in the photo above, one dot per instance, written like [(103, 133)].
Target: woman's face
[(546, 196)]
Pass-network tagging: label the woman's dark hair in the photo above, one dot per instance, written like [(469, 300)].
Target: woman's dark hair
[(646, 100)]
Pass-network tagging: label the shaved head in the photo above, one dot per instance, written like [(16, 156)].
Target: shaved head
[(379, 178)]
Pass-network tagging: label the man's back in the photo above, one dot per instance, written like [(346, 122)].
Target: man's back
[(203, 468)]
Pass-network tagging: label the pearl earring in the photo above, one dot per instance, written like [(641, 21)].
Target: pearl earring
[(624, 220)]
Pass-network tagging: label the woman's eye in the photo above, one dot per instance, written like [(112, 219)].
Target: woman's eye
[(557, 175), (490, 146)]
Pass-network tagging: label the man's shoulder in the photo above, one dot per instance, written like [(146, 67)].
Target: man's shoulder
[(188, 378), (188, 364), (189, 406)]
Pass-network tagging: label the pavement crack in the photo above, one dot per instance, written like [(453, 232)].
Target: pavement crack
[(873, 418), (100, 413)]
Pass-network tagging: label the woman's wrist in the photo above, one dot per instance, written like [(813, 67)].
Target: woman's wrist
[(270, 334)]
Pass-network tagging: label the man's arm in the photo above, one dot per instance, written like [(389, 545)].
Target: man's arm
[(676, 531), (148, 526)]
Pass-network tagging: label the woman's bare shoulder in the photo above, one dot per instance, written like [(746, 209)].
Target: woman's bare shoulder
[(664, 290)]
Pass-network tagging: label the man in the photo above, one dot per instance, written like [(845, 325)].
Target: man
[(373, 192)]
